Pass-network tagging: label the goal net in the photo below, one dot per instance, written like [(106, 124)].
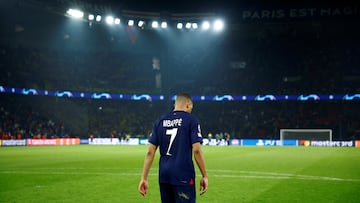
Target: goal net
[(306, 134)]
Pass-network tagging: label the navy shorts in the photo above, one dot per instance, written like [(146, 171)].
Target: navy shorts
[(177, 193)]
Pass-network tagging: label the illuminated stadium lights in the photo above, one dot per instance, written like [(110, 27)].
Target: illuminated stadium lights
[(98, 18), (91, 17), (163, 24), (179, 26), (141, 23), (131, 23), (151, 20), (109, 20), (155, 24), (205, 25), (218, 25), (75, 13)]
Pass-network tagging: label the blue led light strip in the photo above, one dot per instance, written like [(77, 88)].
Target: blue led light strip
[(148, 97)]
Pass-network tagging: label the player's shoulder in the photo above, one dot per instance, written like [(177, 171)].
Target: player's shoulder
[(190, 117)]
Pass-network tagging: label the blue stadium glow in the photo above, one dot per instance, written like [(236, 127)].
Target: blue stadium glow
[(148, 97)]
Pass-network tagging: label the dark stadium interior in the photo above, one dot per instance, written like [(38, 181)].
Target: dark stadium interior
[(43, 49)]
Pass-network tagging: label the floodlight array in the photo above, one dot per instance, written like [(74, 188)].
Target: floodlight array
[(154, 22)]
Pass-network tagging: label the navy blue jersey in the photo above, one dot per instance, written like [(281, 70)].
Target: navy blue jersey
[(175, 133)]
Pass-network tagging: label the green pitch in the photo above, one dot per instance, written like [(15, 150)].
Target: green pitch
[(236, 174)]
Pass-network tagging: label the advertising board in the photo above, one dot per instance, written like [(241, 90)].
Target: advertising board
[(313, 143), (266, 142), (113, 141), (57, 141), (14, 142)]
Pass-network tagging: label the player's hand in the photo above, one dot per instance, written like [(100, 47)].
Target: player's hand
[(203, 185), (143, 187)]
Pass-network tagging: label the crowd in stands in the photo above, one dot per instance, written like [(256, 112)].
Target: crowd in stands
[(18, 120), (119, 119), (290, 58)]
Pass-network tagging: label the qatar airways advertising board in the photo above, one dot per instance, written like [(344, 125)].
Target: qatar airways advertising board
[(57, 141)]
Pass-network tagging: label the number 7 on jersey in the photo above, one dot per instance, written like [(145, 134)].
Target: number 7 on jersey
[(172, 132)]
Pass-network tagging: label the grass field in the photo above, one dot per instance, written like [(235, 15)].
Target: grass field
[(88, 173)]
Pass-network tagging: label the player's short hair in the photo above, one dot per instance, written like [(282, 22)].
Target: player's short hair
[(183, 98)]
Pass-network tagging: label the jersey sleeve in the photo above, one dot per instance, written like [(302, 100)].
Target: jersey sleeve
[(154, 136), (195, 131)]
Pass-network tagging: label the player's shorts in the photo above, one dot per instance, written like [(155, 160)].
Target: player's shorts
[(177, 193)]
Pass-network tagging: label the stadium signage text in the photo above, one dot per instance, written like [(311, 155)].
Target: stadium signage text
[(58, 141), (298, 13), (265, 142), (332, 143)]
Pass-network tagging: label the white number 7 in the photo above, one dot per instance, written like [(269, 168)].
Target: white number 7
[(172, 132)]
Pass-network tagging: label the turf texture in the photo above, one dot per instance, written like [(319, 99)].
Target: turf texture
[(88, 173)]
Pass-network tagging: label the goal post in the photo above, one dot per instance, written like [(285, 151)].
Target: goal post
[(306, 134)]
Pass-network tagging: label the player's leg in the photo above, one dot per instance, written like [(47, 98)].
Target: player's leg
[(167, 193)]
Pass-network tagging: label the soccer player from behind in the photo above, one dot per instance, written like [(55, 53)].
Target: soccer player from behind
[(178, 136)]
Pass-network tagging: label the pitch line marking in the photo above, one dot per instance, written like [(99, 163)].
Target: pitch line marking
[(274, 175), (225, 174)]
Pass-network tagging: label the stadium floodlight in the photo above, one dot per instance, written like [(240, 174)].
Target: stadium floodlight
[(117, 21), (155, 24), (141, 23), (218, 25), (91, 17), (188, 25), (194, 25), (98, 18), (179, 26), (110, 20), (75, 13), (205, 25), (163, 24), (131, 23)]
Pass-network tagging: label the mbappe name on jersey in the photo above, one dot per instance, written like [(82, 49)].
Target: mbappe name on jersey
[(172, 123)]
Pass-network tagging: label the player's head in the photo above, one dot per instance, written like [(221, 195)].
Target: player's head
[(184, 102)]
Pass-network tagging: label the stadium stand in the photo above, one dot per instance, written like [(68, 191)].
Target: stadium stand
[(303, 56)]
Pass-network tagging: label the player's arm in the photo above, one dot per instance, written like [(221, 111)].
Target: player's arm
[(143, 185), (200, 161)]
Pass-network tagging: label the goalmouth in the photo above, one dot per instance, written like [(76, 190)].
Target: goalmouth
[(306, 134)]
